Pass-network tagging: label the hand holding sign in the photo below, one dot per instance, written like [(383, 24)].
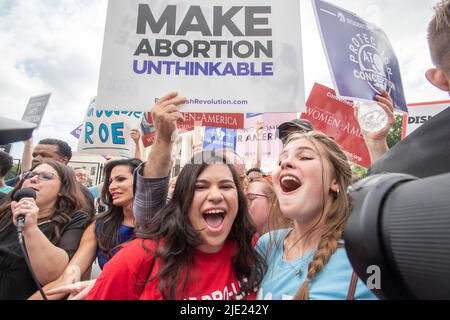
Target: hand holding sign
[(135, 135), (385, 102), (165, 114), (376, 141)]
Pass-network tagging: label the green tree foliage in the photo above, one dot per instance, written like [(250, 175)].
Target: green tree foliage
[(13, 172), (395, 134)]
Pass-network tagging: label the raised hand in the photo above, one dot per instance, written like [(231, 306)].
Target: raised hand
[(165, 114)]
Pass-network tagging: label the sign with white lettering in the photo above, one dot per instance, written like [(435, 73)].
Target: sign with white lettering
[(77, 132), (222, 55), (108, 132), (334, 117), (219, 138), (191, 120), (419, 113), (35, 109), (361, 59)]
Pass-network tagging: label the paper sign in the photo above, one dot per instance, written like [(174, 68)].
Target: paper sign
[(225, 56), (6, 148), (35, 109), (219, 138), (247, 138), (419, 113), (334, 117), (360, 56), (108, 132), (77, 132), (191, 120)]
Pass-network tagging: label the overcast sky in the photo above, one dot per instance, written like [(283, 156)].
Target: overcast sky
[(55, 46)]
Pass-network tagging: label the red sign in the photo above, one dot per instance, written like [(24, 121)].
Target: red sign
[(195, 119), (334, 117)]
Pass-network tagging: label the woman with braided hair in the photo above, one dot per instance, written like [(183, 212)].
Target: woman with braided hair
[(309, 260)]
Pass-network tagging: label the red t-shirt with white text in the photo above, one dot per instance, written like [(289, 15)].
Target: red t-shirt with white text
[(211, 276)]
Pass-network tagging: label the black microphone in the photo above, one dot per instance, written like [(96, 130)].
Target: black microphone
[(23, 193)]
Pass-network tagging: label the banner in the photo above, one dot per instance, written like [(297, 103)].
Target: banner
[(360, 56), (222, 55), (334, 117), (77, 132), (419, 113), (271, 146), (108, 132), (35, 109), (191, 120), (219, 138)]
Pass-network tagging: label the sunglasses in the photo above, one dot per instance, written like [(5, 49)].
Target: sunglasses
[(43, 176)]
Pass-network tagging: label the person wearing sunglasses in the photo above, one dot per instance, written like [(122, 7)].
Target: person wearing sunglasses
[(54, 224)]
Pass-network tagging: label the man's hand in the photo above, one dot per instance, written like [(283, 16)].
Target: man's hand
[(165, 114)]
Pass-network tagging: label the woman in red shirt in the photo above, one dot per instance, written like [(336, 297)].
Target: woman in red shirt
[(198, 246)]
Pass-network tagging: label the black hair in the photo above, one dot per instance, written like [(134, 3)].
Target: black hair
[(6, 163), (63, 148), (179, 239), (253, 170), (109, 221)]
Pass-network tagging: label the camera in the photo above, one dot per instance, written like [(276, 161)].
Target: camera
[(400, 225)]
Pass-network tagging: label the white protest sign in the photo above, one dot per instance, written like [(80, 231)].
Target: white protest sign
[(419, 113), (108, 132), (35, 109), (225, 56)]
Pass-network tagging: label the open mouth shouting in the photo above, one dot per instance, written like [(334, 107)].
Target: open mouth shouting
[(214, 219), (289, 184)]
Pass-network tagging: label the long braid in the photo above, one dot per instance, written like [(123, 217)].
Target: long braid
[(327, 247)]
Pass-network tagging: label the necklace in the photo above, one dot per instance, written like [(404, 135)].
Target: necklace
[(305, 260), (299, 270)]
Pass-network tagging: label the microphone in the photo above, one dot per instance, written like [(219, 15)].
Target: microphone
[(23, 193)]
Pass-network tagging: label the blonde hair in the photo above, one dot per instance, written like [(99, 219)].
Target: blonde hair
[(439, 36), (338, 212)]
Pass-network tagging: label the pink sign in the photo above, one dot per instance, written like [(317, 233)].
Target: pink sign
[(271, 146)]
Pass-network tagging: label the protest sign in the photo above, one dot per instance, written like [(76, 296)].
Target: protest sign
[(360, 56), (247, 138), (77, 132), (219, 138), (6, 148), (222, 55), (191, 120), (35, 109), (419, 113), (334, 117), (108, 132)]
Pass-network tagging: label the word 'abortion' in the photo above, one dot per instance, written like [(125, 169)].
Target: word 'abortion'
[(248, 25)]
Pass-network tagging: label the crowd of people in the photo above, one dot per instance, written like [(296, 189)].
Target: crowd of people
[(216, 231)]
